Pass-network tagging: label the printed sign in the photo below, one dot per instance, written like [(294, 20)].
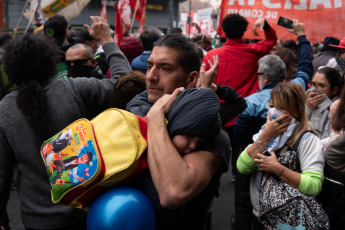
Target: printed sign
[(321, 18)]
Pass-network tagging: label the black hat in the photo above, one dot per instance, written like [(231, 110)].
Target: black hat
[(56, 27), (82, 36), (330, 43)]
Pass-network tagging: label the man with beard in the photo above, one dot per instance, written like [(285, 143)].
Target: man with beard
[(80, 62)]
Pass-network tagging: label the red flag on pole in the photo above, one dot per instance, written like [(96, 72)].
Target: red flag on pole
[(142, 22), (140, 5), (118, 27), (104, 11), (124, 8)]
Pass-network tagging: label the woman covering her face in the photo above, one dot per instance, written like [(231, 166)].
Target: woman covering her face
[(270, 155)]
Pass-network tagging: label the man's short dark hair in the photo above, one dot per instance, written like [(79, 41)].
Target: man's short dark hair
[(234, 25), (188, 54), (149, 36)]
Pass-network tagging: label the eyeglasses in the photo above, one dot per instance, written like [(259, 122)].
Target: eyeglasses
[(318, 86), (259, 74), (77, 62)]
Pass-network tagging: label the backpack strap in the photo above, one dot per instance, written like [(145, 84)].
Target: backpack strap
[(295, 147)]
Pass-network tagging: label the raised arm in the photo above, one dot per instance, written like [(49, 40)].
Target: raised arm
[(116, 60), (234, 102), (270, 35), (304, 59)]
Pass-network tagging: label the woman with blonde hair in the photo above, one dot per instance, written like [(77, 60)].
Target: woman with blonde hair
[(288, 162)]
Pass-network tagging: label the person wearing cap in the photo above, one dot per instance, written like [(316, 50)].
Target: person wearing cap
[(80, 62), (84, 37), (56, 27), (131, 47), (338, 61), (327, 52)]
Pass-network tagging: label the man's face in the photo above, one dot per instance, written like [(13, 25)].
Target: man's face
[(83, 159), (164, 74), (79, 54)]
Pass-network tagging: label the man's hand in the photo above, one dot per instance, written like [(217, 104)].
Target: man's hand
[(164, 103), (207, 77), (259, 23), (298, 28), (197, 27), (100, 31), (313, 99)]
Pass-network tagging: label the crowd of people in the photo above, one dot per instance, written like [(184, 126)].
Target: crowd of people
[(272, 111)]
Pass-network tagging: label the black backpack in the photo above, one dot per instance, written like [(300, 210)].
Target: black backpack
[(333, 188)]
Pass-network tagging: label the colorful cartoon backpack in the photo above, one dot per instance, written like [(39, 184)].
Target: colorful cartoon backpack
[(89, 157)]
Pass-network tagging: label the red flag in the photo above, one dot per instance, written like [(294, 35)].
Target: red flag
[(104, 11), (124, 8), (118, 28), (140, 5), (142, 22)]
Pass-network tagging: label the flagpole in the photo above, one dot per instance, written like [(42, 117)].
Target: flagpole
[(26, 3), (135, 12), (32, 16)]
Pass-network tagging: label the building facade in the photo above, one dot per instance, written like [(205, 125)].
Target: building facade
[(159, 13)]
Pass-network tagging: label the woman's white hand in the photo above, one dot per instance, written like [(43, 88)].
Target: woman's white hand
[(268, 164), (313, 99), (275, 127)]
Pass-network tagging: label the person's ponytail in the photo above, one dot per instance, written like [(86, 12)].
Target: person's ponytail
[(32, 101)]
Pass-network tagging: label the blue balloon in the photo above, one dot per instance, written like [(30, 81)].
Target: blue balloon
[(122, 208)]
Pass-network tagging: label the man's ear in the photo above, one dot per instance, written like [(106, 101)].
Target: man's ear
[(192, 79), (266, 79), (94, 62)]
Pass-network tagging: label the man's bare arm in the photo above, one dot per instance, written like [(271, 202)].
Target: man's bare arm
[(177, 179)]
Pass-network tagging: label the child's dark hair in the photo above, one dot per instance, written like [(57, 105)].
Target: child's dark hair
[(127, 87)]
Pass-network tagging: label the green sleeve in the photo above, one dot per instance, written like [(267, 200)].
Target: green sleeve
[(311, 183), (245, 164)]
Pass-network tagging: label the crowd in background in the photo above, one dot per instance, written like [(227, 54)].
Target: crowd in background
[(286, 135)]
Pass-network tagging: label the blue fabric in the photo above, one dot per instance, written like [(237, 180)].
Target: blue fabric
[(253, 117), (141, 61)]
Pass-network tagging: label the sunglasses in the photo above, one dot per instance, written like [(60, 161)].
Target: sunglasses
[(76, 62), (259, 74)]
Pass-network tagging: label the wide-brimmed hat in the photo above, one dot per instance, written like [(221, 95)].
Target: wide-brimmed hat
[(341, 44)]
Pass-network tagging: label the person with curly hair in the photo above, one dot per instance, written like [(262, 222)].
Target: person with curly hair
[(38, 108)]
